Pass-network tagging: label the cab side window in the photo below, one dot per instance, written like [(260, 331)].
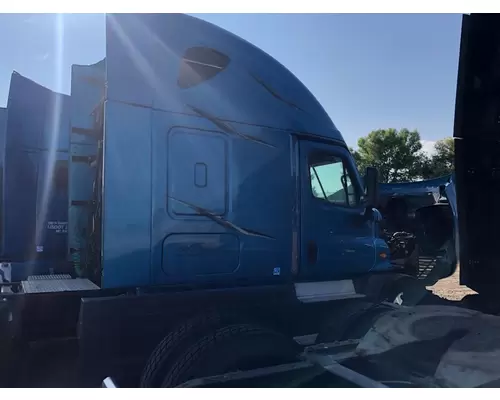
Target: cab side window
[(331, 180)]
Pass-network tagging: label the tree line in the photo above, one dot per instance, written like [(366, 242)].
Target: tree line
[(399, 157)]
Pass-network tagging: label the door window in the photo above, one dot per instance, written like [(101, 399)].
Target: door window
[(331, 180)]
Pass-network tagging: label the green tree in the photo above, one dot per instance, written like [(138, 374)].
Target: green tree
[(442, 161), (396, 154), (426, 169)]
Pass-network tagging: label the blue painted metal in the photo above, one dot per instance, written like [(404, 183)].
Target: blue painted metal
[(418, 187), (341, 240), (3, 127), (202, 177), (35, 166), (87, 93), (143, 56), (205, 141)]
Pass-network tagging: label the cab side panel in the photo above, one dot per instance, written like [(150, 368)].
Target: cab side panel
[(222, 203)]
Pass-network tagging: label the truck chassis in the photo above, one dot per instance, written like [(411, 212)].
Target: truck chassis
[(100, 333)]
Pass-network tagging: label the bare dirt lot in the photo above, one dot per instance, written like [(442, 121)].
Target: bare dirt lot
[(450, 288)]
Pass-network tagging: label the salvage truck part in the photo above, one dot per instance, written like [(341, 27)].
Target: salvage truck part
[(199, 219), (400, 347)]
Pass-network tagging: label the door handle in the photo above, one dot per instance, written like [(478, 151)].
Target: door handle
[(312, 252)]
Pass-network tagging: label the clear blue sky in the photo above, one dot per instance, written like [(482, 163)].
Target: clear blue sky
[(368, 71)]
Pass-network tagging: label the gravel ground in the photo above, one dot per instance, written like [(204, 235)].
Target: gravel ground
[(450, 288)]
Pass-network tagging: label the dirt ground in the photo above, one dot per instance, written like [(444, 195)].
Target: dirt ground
[(450, 288)]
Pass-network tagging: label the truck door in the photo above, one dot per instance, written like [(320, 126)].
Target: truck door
[(336, 240)]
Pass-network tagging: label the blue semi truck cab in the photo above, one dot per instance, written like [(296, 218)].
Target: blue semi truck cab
[(219, 165), (208, 193)]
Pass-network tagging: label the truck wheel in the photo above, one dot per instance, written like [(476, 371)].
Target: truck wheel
[(178, 341), (232, 348)]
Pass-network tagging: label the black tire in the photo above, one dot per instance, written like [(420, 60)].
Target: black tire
[(177, 341), (232, 348)]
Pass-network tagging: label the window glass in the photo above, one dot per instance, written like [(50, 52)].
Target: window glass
[(331, 181), (200, 64)]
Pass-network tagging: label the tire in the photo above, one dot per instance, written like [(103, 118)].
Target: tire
[(232, 348), (177, 342)]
